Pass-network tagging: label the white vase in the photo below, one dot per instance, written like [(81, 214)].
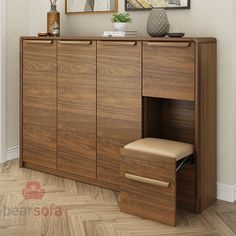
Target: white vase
[(120, 26)]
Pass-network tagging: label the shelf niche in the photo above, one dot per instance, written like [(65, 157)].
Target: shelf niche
[(174, 120)]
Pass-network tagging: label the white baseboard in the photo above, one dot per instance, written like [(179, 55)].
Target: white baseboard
[(13, 153), (226, 192)]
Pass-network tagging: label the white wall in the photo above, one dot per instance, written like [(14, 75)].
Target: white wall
[(17, 25), (234, 91), (3, 81), (206, 18)]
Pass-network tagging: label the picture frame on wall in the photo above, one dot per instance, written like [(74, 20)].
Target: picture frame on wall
[(139, 5), (91, 6)]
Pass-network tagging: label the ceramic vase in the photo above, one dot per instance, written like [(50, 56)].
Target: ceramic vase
[(158, 23), (53, 22), (120, 26)]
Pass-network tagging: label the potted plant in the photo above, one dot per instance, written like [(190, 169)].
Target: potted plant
[(120, 21)]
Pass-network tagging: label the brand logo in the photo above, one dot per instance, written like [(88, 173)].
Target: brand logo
[(51, 210), (33, 190)]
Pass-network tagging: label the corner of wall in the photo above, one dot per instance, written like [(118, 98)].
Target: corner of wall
[(226, 192), (13, 153)]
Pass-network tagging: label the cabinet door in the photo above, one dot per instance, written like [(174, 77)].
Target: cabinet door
[(168, 70), (39, 102), (118, 104), (77, 107)]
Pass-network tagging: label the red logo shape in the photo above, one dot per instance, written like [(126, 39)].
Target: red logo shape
[(33, 190)]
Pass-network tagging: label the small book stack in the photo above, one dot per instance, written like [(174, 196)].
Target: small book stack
[(119, 33), (131, 33)]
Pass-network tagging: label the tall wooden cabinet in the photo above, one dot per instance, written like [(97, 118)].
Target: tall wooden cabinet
[(39, 103), (77, 107), (118, 104), (84, 98)]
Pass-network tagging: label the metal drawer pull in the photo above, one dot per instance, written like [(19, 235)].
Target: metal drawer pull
[(169, 44), (75, 42), (147, 181), (39, 41), (114, 43)]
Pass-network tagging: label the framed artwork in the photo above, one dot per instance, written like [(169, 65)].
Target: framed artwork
[(135, 5), (91, 6)]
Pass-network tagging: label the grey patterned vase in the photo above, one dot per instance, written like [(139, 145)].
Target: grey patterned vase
[(158, 23)]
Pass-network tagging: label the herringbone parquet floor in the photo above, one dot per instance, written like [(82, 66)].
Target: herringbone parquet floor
[(71, 208)]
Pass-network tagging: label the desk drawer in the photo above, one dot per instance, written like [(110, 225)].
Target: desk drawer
[(168, 70), (148, 187)]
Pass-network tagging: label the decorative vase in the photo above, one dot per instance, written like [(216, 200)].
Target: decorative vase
[(120, 26), (53, 21), (158, 23)]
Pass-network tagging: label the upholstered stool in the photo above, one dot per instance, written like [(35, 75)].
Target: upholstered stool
[(148, 173)]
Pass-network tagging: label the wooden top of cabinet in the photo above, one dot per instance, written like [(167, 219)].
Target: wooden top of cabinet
[(128, 38)]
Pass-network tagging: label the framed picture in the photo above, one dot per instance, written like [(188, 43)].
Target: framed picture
[(135, 5), (91, 6)]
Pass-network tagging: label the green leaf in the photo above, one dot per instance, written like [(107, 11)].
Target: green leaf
[(121, 17)]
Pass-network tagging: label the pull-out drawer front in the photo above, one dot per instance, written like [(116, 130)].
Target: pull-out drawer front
[(168, 70), (148, 187)]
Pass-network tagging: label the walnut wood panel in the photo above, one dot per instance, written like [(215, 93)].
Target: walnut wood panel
[(39, 103), (178, 120), (39, 145), (67, 175), (206, 141), (146, 200), (152, 117), (186, 187), (118, 104), (169, 119), (108, 162), (77, 108), (21, 102), (168, 72)]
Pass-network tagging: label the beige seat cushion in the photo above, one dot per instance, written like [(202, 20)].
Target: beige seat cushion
[(162, 147)]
